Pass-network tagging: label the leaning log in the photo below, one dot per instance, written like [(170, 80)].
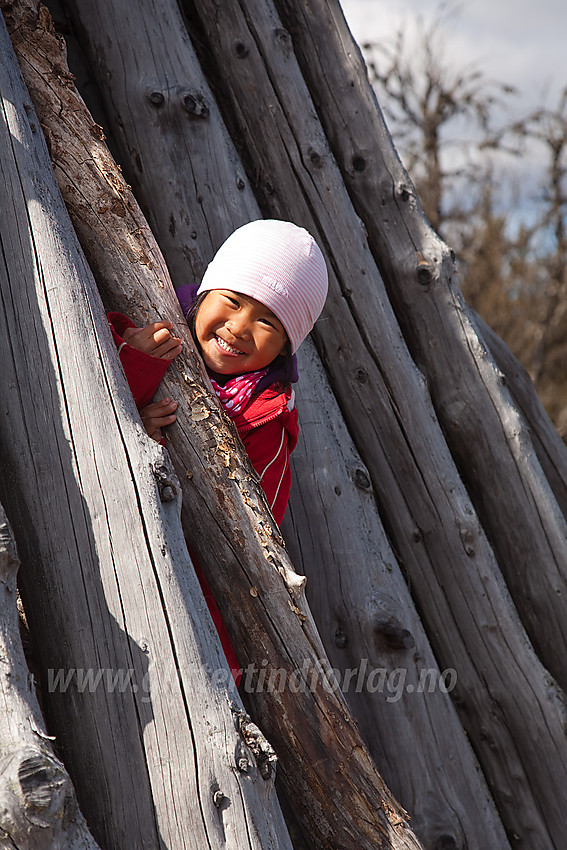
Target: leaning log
[(372, 632), (136, 683), (549, 446), (470, 619), (332, 782), (489, 441), (38, 805)]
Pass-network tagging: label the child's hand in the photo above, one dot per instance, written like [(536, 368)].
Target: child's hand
[(154, 339), (157, 415)]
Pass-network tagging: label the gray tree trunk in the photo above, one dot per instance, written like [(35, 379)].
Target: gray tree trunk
[(470, 619), (125, 638), (549, 446), (335, 788), (38, 806)]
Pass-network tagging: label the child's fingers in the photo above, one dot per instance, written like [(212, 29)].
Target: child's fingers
[(150, 338), (169, 349), (154, 327), (157, 415), (162, 344), (156, 435), (131, 332), (161, 335)]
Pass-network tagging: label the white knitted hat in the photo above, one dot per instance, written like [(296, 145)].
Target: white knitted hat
[(278, 264)]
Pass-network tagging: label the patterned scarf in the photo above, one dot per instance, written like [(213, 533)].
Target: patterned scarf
[(235, 394)]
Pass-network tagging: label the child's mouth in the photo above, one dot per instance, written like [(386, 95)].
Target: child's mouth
[(226, 347)]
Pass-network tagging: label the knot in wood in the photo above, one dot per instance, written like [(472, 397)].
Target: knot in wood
[(167, 493), (241, 49), (358, 163), (166, 486), (446, 842), (43, 783), (253, 741), (362, 479), (283, 38), (394, 635), (314, 157), (156, 98), (195, 105), (361, 375), (219, 798), (341, 639), (424, 270), (467, 538)]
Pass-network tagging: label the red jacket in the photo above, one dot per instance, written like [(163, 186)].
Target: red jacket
[(267, 426)]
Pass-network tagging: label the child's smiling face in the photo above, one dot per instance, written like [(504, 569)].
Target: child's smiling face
[(237, 333)]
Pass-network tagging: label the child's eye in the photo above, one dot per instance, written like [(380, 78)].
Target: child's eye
[(267, 322)]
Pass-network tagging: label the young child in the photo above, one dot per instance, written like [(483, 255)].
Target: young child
[(259, 298)]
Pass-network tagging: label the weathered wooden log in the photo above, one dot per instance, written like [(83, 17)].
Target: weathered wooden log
[(488, 440), (38, 805), (136, 678), (331, 779), (547, 443), (372, 633), (455, 578)]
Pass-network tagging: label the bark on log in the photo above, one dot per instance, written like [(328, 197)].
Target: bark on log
[(470, 619), (488, 440), (38, 805), (149, 738), (330, 777)]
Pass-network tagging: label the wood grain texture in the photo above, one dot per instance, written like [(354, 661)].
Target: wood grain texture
[(150, 739), (372, 633), (38, 806), (549, 446), (336, 789)]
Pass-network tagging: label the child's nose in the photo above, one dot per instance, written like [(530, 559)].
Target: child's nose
[(238, 326)]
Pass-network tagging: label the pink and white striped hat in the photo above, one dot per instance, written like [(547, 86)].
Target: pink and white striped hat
[(278, 264)]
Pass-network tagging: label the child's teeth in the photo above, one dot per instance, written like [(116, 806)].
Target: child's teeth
[(228, 347)]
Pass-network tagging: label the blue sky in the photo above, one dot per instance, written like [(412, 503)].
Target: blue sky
[(521, 42), (518, 42)]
